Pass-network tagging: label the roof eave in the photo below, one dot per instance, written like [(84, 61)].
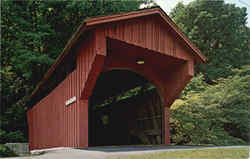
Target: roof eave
[(90, 23)]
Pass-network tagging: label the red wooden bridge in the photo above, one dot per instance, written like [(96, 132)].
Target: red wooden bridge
[(146, 42)]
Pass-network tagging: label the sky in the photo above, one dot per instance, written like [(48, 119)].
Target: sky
[(167, 5)]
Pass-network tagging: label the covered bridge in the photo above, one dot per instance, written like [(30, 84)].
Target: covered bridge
[(108, 56)]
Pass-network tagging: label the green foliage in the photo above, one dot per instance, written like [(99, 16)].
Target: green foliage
[(13, 125), (33, 34), (126, 94), (6, 152), (218, 115), (219, 30), (13, 136), (196, 85), (214, 107)]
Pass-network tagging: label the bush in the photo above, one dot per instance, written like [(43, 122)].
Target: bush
[(219, 115), (15, 136), (6, 152)]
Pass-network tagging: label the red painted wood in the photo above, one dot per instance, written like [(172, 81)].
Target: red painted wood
[(85, 60), (92, 23), (92, 77), (168, 65), (47, 126), (149, 28), (166, 127)]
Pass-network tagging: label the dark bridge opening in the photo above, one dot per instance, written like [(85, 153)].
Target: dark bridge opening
[(124, 109)]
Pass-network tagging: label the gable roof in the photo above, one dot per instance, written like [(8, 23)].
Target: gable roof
[(92, 22)]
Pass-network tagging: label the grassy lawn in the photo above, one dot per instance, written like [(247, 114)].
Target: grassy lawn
[(226, 153)]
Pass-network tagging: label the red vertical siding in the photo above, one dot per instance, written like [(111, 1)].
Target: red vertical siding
[(53, 124), (47, 126), (85, 61), (166, 124), (146, 32)]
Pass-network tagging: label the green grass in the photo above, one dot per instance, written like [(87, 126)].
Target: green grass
[(225, 153)]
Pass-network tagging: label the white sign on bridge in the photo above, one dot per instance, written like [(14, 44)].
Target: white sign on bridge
[(71, 100)]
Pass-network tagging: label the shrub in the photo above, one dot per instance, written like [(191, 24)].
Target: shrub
[(15, 136), (219, 115), (6, 152)]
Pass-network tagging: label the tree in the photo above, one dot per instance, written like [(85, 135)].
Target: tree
[(34, 32), (219, 115), (214, 107), (220, 32)]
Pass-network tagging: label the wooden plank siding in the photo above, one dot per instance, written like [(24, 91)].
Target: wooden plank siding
[(53, 124), (147, 32), (50, 120), (85, 60)]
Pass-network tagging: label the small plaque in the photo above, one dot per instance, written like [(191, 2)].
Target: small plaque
[(70, 101)]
